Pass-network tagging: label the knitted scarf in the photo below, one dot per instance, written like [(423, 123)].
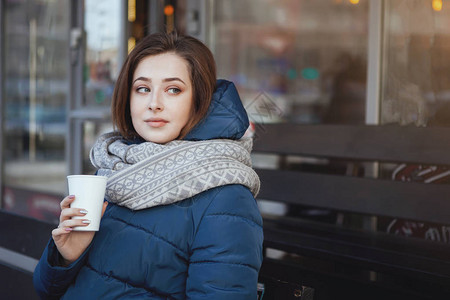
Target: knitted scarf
[(149, 174)]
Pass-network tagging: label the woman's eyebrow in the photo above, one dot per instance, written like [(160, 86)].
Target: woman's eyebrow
[(164, 80), (143, 79), (173, 79)]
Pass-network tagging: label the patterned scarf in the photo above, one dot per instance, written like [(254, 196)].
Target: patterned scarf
[(149, 174)]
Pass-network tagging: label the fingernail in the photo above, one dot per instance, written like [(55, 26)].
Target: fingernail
[(86, 222), (68, 229), (71, 196), (83, 211)]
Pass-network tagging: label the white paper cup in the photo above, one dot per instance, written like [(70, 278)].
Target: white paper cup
[(89, 191)]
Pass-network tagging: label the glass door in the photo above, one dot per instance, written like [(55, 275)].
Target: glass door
[(34, 101), (98, 47)]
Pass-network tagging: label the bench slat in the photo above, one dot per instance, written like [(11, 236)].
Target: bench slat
[(388, 143), (329, 285), (367, 250), (408, 200), (402, 259)]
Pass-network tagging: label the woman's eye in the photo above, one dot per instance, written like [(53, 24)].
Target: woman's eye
[(174, 91), (143, 90)]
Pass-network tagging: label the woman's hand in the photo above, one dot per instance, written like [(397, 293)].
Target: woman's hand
[(71, 244)]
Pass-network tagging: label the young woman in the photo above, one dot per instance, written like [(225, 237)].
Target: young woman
[(180, 221)]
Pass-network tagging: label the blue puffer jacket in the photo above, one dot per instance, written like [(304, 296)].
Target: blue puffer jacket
[(205, 247)]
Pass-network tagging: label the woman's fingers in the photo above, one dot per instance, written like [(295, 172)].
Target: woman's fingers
[(65, 203), (74, 222), (67, 226), (66, 221), (67, 213), (60, 230)]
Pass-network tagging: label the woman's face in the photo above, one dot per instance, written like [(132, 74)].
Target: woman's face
[(161, 97)]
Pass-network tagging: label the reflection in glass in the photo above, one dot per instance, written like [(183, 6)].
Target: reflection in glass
[(102, 26), (35, 95), (416, 77), (416, 91), (307, 59)]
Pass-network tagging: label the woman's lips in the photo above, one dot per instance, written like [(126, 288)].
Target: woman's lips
[(156, 123)]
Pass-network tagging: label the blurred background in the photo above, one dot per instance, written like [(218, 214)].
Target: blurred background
[(311, 62), (293, 61)]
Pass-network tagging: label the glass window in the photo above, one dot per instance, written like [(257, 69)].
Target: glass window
[(307, 59), (416, 77), (103, 21), (415, 90), (36, 90)]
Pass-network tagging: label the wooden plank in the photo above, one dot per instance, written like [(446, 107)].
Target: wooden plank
[(371, 255), (16, 284), (24, 235), (413, 201), (389, 143), (332, 285), (395, 243)]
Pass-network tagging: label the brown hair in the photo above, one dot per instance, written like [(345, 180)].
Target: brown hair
[(201, 67)]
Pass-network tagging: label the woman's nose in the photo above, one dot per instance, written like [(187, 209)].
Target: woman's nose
[(155, 103)]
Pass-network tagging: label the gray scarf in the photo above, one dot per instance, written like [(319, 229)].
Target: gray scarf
[(149, 174)]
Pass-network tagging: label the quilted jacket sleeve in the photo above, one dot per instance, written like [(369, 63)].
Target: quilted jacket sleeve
[(51, 280), (226, 254)]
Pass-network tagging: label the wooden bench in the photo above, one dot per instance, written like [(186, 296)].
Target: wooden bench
[(306, 258), (22, 241)]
